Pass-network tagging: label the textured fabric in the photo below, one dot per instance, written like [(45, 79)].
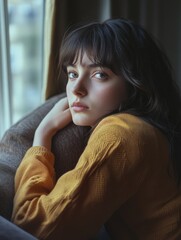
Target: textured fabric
[(121, 179), (18, 139)]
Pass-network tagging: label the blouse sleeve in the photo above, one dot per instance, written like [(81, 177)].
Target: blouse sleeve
[(83, 199)]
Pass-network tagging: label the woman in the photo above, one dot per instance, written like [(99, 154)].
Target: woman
[(127, 178)]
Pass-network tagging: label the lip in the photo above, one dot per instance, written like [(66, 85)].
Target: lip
[(79, 107)]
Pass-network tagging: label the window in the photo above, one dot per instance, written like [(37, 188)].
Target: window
[(21, 50)]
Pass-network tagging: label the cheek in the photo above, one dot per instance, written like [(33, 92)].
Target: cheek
[(111, 95)]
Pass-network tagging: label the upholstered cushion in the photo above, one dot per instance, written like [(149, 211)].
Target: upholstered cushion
[(9, 231), (67, 146)]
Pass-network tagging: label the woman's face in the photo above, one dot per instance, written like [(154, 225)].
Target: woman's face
[(93, 91)]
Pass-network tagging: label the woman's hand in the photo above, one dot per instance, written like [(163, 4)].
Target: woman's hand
[(58, 117)]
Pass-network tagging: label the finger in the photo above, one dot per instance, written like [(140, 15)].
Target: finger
[(65, 119), (62, 104)]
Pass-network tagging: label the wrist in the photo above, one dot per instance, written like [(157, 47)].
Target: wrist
[(43, 137)]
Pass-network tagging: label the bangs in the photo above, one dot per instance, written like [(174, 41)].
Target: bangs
[(94, 40)]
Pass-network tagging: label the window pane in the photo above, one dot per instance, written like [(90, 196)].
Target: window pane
[(26, 35)]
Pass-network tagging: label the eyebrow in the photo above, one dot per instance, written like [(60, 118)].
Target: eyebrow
[(92, 65)]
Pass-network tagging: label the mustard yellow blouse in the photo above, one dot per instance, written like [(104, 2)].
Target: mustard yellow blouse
[(121, 180)]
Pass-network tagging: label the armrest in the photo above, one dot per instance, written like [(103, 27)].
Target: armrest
[(19, 138), (9, 231)]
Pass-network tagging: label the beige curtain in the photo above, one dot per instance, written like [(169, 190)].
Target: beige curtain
[(162, 18), (54, 28)]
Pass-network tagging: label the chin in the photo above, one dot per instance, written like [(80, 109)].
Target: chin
[(81, 122)]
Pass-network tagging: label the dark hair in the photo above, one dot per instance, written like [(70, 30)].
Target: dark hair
[(130, 51)]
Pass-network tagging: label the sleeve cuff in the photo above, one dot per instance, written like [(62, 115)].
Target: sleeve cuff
[(39, 150)]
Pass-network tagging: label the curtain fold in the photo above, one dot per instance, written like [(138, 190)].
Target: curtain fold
[(160, 17), (54, 28)]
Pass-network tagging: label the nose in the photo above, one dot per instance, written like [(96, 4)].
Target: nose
[(79, 88)]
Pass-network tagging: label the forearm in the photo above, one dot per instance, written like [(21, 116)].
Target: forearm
[(43, 138), (35, 179), (40, 203), (44, 207)]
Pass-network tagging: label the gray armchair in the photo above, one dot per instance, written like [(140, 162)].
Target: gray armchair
[(67, 147)]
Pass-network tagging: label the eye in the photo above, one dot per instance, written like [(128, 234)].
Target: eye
[(101, 75), (72, 75)]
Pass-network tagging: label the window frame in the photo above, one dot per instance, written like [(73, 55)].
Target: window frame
[(5, 73)]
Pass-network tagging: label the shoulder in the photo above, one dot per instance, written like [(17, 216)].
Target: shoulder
[(122, 141), (129, 132), (123, 125)]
